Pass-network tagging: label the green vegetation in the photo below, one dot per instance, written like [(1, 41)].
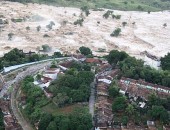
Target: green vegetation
[(159, 113), (1, 121), (85, 51), (46, 48), (116, 32), (10, 35), (158, 108), (79, 22), (113, 91), (86, 10), (165, 62), (68, 89), (16, 20), (72, 87), (132, 68), (34, 101), (78, 66), (79, 119), (139, 5), (15, 57), (107, 14), (27, 28), (46, 35), (50, 25), (57, 54), (115, 56), (119, 104), (126, 110), (116, 16), (124, 24), (110, 13)]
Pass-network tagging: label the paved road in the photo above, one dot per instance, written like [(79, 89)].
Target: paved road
[(92, 99), (20, 76), (14, 105)]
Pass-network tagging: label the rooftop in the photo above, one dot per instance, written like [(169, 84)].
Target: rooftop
[(93, 60)]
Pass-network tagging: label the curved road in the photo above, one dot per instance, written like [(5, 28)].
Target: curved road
[(14, 105)]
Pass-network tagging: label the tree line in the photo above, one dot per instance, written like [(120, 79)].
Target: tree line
[(16, 57), (133, 68), (79, 119)]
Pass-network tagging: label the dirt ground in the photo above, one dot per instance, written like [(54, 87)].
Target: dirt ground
[(147, 33)]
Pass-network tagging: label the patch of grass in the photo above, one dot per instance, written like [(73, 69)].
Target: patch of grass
[(147, 5), (53, 109)]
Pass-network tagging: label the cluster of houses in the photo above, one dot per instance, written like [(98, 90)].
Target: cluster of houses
[(103, 106), (134, 89), (45, 78), (139, 88), (104, 117), (9, 119)]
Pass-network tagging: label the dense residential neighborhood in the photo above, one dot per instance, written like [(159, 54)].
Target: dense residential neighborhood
[(96, 87), (84, 65)]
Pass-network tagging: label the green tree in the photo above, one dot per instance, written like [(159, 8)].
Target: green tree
[(107, 14), (38, 77), (64, 124), (165, 62), (57, 54), (86, 10), (27, 28), (10, 35), (124, 120), (130, 110), (116, 32), (34, 57), (85, 51), (46, 48), (79, 22), (86, 77), (119, 104), (76, 65), (52, 126), (35, 116), (124, 24), (44, 121), (159, 112), (115, 56), (80, 119), (154, 100), (86, 67), (113, 91)]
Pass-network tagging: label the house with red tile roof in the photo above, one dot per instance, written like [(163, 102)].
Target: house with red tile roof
[(93, 61)]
